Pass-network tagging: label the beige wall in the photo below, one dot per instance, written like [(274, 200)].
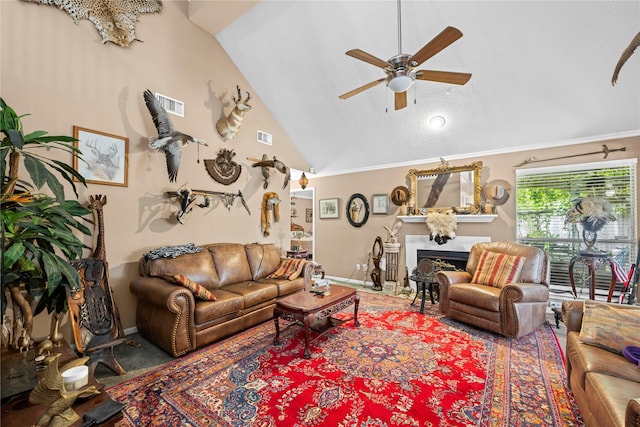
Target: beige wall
[(63, 75), (339, 246)]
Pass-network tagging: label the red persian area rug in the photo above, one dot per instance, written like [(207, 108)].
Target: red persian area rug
[(399, 368)]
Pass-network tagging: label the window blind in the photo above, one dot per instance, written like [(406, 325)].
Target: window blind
[(543, 197)]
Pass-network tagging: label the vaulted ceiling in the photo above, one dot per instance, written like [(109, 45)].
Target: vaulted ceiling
[(541, 75)]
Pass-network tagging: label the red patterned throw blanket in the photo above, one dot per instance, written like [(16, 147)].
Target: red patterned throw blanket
[(399, 368)]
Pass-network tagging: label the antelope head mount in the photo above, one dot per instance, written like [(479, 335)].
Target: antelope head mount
[(227, 127)]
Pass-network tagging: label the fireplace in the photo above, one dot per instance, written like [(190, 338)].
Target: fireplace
[(455, 251), (456, 258)]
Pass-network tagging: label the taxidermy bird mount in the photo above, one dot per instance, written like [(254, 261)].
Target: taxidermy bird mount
[(52, 392), (393, 232), (267, 165), (626, 54), (227, 127), (169, 140), (115, 20)]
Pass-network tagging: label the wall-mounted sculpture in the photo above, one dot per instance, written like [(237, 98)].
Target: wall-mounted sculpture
[(115, 20), (169, 140), (270, 203), (227, 127), (267, 165), (189, 197), (626, 54), (223, 169)]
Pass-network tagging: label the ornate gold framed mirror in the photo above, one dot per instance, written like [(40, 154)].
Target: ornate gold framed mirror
[(446, 187)]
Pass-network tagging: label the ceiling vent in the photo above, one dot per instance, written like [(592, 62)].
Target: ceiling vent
[(172, 106), (265, 138)]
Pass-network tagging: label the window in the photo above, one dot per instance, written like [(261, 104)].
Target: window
[(543, 197)]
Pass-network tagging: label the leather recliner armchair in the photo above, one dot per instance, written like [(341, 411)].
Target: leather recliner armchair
[(514, 310)]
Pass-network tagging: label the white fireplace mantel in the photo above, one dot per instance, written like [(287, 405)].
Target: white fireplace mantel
[(459, 218), (421, 241)]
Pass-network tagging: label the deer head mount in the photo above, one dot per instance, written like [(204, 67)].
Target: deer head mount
[(227, 127)]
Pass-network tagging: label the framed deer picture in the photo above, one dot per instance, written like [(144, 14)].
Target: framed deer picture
[(104, 157)]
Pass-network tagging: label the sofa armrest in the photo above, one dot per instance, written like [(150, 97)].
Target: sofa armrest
[(160, 292), (446, 278), (572, 315), (632, 417), (165, 314), (524, 292)]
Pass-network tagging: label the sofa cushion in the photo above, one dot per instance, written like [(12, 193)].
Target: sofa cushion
[(197, 267), (254, 293), (198, 291), (231, 262), (226, 304), (606, 326), (608, 397), (586, 358), (289, 268), (481, 296), (263, 259), (285, 287), (498, 269)]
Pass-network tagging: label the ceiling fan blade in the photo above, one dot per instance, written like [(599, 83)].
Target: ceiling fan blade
[(367, 57), (401, 100), (362, 88), (439, 42), (443, 76)]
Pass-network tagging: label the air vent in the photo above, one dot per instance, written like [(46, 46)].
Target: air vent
[(172, 106), (265, 138)]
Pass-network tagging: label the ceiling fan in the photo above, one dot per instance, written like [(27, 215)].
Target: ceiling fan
[(401, 68)]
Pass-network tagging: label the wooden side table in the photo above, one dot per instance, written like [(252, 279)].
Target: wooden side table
[(593, 261)]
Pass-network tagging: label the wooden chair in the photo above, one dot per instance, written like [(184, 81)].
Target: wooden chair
[(94, 316)]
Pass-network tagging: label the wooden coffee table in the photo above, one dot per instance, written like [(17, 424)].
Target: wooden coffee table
[(314, 311)]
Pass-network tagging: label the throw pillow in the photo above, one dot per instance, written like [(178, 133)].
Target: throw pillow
[(289, 268), (198, 291), (610, 327), (497, 269)]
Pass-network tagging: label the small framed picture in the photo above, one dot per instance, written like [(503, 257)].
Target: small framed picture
[(105, 157), (380, 204), (329, 208), (308, 215)]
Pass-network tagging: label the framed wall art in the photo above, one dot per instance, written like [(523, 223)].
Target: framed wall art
[(329, 208), (380, 204), (105, 157), (357, 210), (308, 215)]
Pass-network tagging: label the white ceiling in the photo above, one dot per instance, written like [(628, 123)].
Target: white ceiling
[(541, 75)]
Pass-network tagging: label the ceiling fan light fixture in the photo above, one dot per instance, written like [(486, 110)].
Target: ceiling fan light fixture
[(400, 84)]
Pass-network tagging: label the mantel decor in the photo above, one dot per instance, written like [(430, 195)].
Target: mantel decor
[(446, 188)]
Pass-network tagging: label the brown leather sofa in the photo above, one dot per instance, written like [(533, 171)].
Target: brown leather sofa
[(168, 314), (514, 310), (606, 386)]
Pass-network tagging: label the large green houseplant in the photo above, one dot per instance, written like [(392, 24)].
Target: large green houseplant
[(39, 232)]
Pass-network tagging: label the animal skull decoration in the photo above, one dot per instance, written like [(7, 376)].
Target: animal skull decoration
[(227, 127)]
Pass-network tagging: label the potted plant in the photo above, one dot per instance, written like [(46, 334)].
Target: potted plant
[(39, 232)]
